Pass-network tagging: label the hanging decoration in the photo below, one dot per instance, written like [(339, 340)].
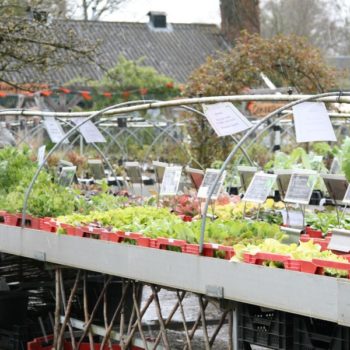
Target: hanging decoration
[(89, 95)]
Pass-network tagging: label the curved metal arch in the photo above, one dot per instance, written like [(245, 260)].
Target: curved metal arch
[(102, 130), (114, 137), (57, 145), (165, 132), (241, 142), (261, 133), (245, 154), (33, 133), (68, 122)]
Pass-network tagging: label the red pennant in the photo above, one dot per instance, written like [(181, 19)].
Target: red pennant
[(86, 95), (126, 94), (143, 91), (46, 93), (64, 90)]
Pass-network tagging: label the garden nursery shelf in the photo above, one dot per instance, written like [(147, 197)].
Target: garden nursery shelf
[(306, 294)]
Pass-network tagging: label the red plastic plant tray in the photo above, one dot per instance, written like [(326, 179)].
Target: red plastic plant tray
[(323, 242), (260, 257), (46, 224), (218, 251), (300, 265), (313, 233), (168, 243), (143, 241), (110, 236), (70, 229), (47, 343), (11, 219), (32, 222), (192, 249), (292, 264), (322, 263), (153, 243), (89, 231), (131, 237)]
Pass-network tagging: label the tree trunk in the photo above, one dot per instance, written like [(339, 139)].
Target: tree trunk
[(85, 10), (238, 15)]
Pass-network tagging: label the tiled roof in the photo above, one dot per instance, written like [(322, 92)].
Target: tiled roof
[(175, 51)]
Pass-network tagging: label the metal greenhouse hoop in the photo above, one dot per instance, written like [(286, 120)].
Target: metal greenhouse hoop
[(241, 142)]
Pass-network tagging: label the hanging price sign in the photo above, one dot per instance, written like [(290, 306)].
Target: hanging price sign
[(226, 119), (208, 180), (300, 188), (89, 130), (260, 187), (171, 181), (54, 129)]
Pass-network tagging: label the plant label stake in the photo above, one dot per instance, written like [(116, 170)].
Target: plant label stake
[(259, 188), (246, 174), (208, 180), (41, 154), (300, 189), (340, 240), (171, 181), (337, 187)]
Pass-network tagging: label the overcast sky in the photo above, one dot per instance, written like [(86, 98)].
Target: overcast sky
[(181, 11)]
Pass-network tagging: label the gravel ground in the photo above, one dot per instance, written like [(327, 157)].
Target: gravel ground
[(175, 335)]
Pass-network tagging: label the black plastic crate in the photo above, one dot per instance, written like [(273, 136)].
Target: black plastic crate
[(268, 328), (314, 334)]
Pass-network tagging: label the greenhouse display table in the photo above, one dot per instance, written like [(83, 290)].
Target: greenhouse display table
[(295, 292)]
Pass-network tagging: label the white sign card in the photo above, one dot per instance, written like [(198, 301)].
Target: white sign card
[(312, 122), (54, 129), (300, 188), (225, 118), (41, 154), (133, 170), (89, 130), (246, 174), (171, 181), (67, 176), (293, 218), (209, 178), (336, 186), (260, 187), (346, 199)]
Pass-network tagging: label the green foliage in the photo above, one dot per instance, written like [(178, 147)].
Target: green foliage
[(46, 199), (128, 79), (345, 157), (322, 148), (157, 222), (286, 60), (15, 166)]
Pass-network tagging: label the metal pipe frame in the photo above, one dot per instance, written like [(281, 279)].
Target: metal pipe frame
[(337, 97), (57, 145), (261, 133), (318, 97)]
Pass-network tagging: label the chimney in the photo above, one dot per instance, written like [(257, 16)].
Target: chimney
[(238, 15), (157, 19)]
